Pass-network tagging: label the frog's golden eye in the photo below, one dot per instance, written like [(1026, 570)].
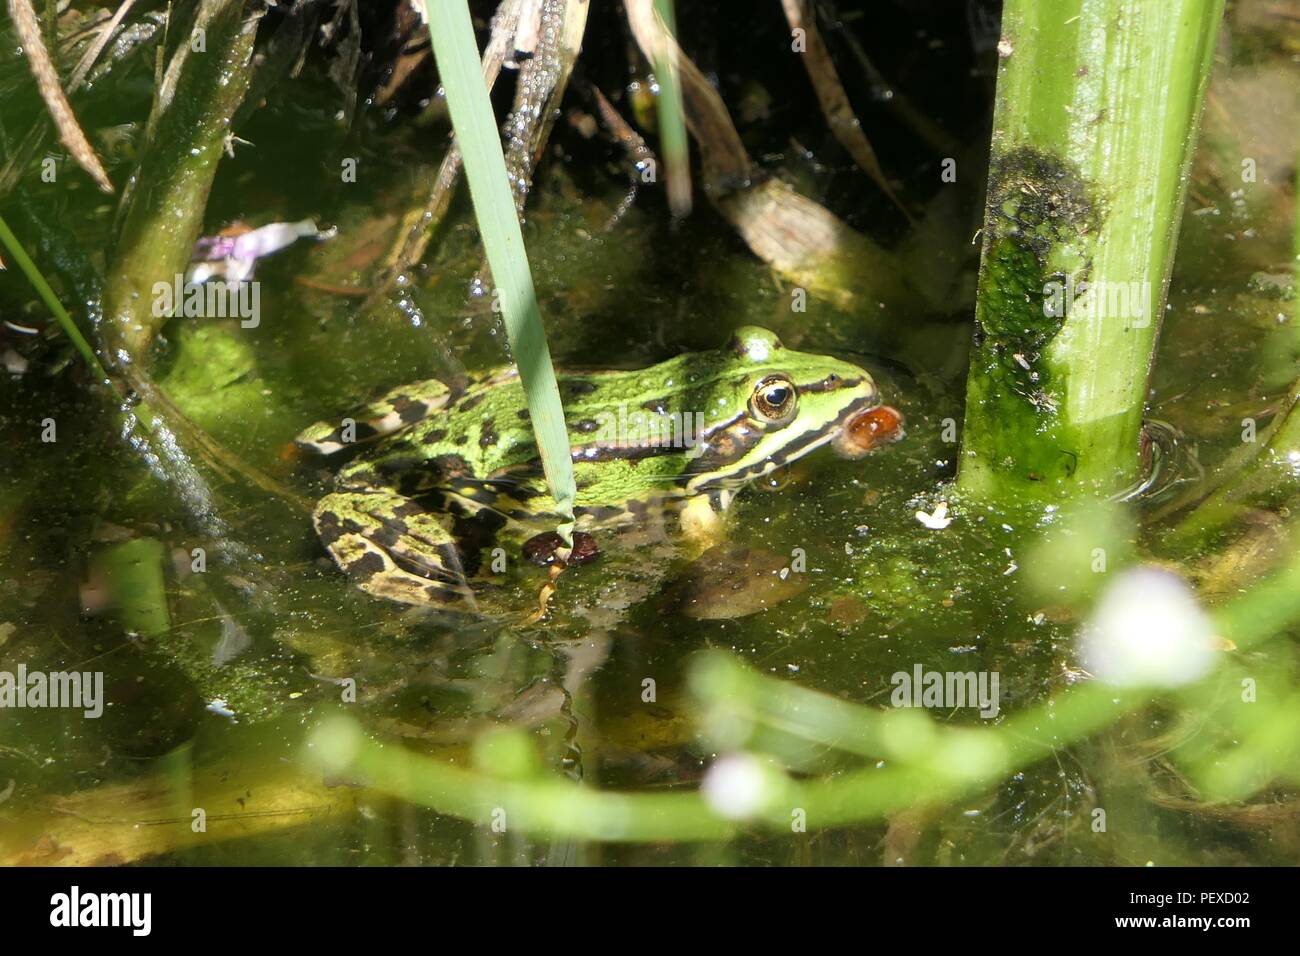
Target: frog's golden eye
[(774, 400)]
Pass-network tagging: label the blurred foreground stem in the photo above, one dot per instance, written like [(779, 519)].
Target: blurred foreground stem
[(929, 762)]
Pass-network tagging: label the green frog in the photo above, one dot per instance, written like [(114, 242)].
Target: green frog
[(684, 435)]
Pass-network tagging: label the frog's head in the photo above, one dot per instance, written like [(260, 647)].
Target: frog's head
[(784, 404)]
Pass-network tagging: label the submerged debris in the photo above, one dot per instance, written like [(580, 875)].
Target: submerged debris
[(232, 254)]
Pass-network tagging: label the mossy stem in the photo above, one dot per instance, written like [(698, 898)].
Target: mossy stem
[(1097, 111)]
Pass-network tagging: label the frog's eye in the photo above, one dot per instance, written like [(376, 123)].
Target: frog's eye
[(774, 400)]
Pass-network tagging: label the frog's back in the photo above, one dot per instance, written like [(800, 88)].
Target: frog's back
[(489, 426), (481, 432)]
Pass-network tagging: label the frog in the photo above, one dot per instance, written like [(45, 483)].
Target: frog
[(683, 436)]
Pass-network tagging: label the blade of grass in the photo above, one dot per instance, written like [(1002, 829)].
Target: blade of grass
[(460, 70), (672, 118)]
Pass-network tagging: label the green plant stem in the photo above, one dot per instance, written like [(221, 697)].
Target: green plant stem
[(1098, 106), (475, 124), (184, 142)]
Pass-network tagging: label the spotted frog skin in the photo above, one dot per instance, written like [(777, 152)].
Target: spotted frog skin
[(690, 431)]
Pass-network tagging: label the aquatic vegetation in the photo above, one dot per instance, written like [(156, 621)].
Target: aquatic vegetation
[(1041, 607)]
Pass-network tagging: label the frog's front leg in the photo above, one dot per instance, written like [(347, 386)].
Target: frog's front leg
[(392, 548), (701, 519)]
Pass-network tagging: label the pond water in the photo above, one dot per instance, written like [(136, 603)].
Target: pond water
[(218, 676)]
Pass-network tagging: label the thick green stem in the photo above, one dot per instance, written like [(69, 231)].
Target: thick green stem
[(185, 140), (1097, 112)]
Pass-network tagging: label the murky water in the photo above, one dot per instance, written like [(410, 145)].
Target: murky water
[(215, 676)]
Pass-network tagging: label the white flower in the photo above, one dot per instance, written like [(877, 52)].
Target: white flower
[(736, 786), (1147, 629)]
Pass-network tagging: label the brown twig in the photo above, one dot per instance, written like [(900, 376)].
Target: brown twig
[(411, 245), (47, 81), (834, 100), (898, 103), (640, 157)]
